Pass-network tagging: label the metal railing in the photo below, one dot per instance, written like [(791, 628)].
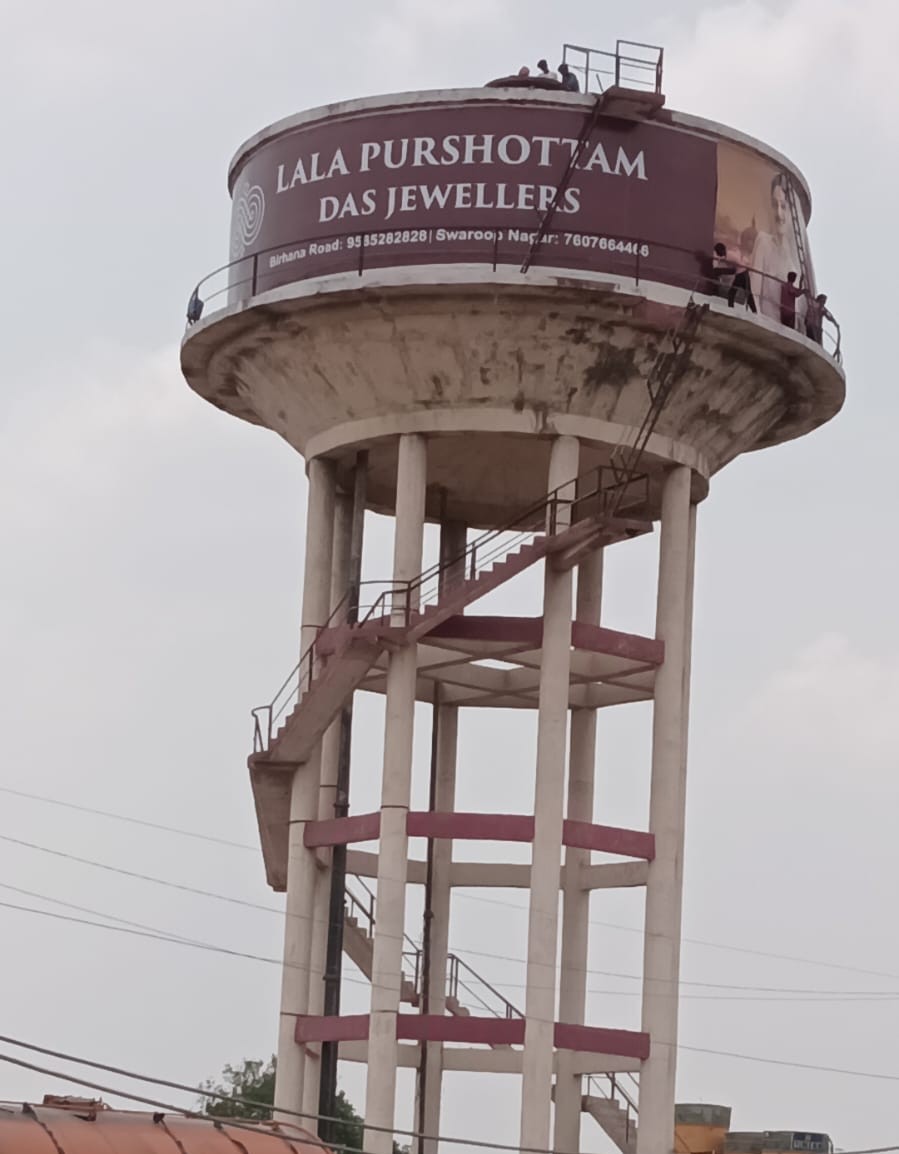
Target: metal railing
[(612, 1087), (601, 492), (628, 257), (632, 65), (463, 977), (362, 907)]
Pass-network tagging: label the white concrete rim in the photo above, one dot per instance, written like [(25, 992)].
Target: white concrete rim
[(589, 431), (439, 276), (351, 109)]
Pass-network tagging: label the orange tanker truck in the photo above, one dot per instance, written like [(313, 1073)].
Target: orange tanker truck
[(87, 1126)]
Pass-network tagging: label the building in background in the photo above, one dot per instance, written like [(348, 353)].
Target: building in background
[(499, 311)]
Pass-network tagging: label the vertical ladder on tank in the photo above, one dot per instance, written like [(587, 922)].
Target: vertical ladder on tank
[(562, 187), (798, 231), (667, 369)]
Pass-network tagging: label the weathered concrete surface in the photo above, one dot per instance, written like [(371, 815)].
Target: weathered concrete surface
[(511, 365)]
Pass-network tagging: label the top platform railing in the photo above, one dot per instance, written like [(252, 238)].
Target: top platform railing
[(632, 258), (632, 65)]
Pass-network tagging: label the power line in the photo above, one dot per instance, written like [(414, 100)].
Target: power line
[(132, 820), (202, 1092), (142, 930), (141, 877), (793, 958), (218, 1123), (159, 935), (97, 913), (702, 942), (196, 891)]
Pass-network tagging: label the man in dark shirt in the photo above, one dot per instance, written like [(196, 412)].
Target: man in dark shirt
[(789, 294), (569, 80)]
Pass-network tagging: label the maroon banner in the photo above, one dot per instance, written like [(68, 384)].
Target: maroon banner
[(469, 183)]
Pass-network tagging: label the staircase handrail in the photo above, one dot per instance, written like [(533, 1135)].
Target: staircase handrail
[(510, 1010), (265, 717), (542, 515), (367, 909)]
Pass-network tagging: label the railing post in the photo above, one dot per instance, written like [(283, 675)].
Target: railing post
[(495, 247), (253, 280), (361, 252)]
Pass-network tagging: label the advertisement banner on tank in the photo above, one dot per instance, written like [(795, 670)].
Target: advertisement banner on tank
[(755, 224), (469, 183)]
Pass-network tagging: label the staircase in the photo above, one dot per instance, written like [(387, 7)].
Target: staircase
[(287, 729), (358, 944), (616, 1120), (607, 1100)]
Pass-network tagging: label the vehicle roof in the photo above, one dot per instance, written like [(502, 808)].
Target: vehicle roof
[(92, 1128)]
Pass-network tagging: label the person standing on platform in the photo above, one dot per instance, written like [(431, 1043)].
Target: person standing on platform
[(545, 73), (723, 270), (815, 313), (789, 294), (569, 80)]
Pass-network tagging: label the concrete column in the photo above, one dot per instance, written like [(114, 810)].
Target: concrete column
[(301, 863), (380, 1092), (575, 899), (546, 854), (453, 540), (661, 951), (343, 512)]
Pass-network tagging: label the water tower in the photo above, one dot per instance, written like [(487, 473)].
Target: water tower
[(498, 310)]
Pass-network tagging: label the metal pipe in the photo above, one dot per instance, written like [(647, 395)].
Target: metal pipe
[(336, 904)]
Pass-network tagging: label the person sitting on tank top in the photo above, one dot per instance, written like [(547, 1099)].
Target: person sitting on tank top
[(569, 80)]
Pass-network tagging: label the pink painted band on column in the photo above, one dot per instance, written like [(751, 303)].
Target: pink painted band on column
[(608, 839), (342, 830), (481, 827), (474, 1030)]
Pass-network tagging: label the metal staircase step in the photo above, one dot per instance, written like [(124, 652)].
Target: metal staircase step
[(321, 702), (612, 1118)]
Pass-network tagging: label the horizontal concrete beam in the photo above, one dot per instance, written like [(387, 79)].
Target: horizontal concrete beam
[(614, 875), (499, 875), (505, 875), (480, 827), (487, 1031), (504, 1060)]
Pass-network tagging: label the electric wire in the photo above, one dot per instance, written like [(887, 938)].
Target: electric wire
[(805, 992), (207, 1093), (793, 958), (124, 817), (201, 1092)]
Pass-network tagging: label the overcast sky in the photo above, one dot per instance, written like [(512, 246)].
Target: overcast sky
[(153, 550)]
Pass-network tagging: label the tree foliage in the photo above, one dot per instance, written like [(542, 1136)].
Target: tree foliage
[(254, 1082)]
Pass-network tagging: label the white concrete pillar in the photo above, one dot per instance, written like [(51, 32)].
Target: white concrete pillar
[(575, 899), (661, 950), (380, 1092), (301, 863), (453, 539), (330, 753), (546, 854)]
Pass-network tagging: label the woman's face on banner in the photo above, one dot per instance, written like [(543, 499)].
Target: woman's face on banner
[(779, 209)]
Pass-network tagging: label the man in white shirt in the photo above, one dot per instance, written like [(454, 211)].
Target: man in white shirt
[(545, 72)]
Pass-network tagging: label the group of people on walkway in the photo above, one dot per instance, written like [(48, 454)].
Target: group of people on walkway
[(734, 281), (564, 78)]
